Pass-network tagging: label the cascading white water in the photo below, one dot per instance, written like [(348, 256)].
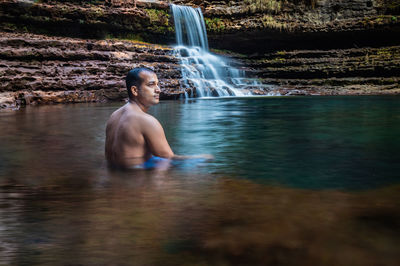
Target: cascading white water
[(191, 20), (204, 74)]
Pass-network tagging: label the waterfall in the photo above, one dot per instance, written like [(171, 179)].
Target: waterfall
[(203, 73), (191, 20)]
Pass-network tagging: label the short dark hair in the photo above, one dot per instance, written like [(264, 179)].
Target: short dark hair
[(133, 78)]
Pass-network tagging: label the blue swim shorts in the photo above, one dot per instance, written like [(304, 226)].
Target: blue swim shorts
[(153, 162)]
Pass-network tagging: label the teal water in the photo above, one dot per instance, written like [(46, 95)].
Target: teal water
[(310, 180), (307, 142)]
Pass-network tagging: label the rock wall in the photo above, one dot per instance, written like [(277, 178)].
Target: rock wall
[(329, 72), (247, 26), (254, 26), (299, 46), (39, 69), (149, 22), (323, 47)]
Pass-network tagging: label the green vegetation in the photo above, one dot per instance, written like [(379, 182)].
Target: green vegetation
[(274, 6), (129, 37), (311, 3), (160, 16), (380, 20), (8, 27), (393, 5), (389, 6), (263, 5), (270, 22), (214, 24), (227, 52), (278, 60), (159, 20), (97, 11), (388, 53)]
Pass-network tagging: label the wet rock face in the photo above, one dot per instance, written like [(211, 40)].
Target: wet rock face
[(305, 47), (299, 46), (39, 69), (331, 9), (247, 26), (149, 21), (329, 72), (254, 26)]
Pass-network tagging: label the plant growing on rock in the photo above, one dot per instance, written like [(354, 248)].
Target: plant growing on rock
[(214, 24), (311, 3), (389, 6), (263, 5), (270, 22), (275, 6), (160, 16)]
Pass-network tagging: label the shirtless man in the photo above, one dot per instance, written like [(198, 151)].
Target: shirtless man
[(133, 137)]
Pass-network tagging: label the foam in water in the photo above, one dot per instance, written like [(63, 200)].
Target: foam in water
[(205, 74)]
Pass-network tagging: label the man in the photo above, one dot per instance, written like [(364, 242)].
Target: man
[(135, 139)]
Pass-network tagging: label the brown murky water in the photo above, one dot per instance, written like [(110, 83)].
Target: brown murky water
[(59, 205)]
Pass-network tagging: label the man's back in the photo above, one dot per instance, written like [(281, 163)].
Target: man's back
[(125, 143), (133, 136)]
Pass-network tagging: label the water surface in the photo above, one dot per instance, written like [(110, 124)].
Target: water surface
[(295, 181), (307, 142)]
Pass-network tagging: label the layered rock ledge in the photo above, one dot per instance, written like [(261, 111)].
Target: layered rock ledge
[(149, 22), (352, 71), (39, 69), (260, 26), (248, 26), (299, 47)]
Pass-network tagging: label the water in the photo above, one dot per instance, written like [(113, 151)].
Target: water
[(203, 73), (311, 180), (190, 28)]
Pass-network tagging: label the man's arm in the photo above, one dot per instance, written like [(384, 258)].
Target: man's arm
[(158, 144), (155, 138)]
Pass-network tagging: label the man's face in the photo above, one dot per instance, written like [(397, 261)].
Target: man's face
[(148, 91)]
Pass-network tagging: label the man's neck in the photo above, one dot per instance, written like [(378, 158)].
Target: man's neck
[(135, 103)]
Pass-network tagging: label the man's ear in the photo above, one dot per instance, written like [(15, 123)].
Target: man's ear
[(134, 90)]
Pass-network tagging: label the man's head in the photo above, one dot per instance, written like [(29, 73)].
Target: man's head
[(142, 86)]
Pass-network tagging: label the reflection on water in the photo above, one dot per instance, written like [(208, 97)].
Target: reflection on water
[(323, 142), (269, 198)]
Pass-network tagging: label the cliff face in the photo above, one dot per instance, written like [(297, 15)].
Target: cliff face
[(300, 46), (88, 19), (324, 47), (257, 26), (248, 26), (351, 71), (38, 69)]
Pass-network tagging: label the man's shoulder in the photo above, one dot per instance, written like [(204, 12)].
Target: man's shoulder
[(129, 118), (148, 120), (138, 119), (138, 116), (117, 113)]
